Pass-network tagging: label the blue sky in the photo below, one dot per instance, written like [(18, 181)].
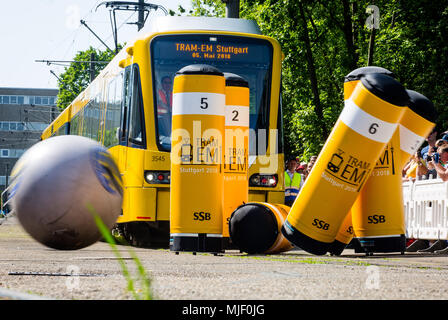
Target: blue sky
[(49, 30)]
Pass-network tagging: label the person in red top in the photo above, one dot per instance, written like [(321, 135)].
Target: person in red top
[(165, 97), (164, 110)]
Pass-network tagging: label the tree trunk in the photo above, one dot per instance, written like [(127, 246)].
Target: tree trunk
[(372, 39), (348, 35), (324, 51), (354, 31), (312, 71), (371, 47)]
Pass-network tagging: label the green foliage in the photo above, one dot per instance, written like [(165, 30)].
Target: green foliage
[(207, 8), (76, 77), (204, 8), (411, 42)]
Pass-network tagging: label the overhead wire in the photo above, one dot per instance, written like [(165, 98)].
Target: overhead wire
[(72, 35), (120, 26)]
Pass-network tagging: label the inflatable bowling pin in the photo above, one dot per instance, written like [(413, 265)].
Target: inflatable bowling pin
[(365, 126), (378, 214), (345, 233), (255, 227), (196, 195), (236, 185)]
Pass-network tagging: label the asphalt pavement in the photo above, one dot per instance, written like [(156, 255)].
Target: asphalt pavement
[(30, 270)]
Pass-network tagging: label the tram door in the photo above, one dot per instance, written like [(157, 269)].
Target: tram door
[(131, 135), (124, 119)]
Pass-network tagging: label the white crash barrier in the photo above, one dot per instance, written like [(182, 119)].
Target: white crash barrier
[(408, 187), (426, 212)]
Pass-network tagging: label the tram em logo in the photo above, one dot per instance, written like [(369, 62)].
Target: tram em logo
[(348, 168)]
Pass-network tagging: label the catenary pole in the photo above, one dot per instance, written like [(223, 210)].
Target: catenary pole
[(232, 8)]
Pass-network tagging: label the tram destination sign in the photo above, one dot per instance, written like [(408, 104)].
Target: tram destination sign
[(189, 49), (211, 50)]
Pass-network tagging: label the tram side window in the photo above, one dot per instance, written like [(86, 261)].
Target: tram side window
[(132, 124), (133, 107), (86, 120), (136, 126), (61, 131), (114, 97), (126, 97), (83, 121), (74, 125), (65, 129), (95, 118), (92, 119), (280, 124)]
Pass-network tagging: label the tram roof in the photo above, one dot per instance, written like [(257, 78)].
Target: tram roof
[(177, 23)]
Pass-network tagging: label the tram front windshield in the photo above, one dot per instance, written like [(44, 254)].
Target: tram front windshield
[(247, 57)]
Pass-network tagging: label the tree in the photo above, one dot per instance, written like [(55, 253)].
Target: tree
[(76, 77), (313, 46), (411, 41), (207, 8)]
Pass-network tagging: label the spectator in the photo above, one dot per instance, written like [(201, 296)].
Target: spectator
[(440, 162), (293, 182), (415, 168), (431, 139), (310, 165), (302, 168), (429, 150), (442, 142)]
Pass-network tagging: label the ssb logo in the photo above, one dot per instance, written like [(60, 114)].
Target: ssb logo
[(375, 219), (201, 216), (320, 224)]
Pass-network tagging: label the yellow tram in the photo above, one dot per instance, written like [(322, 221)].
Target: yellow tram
[(128, 109)]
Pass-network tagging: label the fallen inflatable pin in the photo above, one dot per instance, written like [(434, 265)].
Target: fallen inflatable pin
[(380, 225), (255, 228), (345, 233), (54, 183), (368, 119), (379, 233)]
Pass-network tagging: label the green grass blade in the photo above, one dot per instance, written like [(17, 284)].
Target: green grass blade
[(145, 280)]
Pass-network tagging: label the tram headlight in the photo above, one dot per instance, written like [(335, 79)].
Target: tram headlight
[(157, 177), (149, 177), (263, 180)]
